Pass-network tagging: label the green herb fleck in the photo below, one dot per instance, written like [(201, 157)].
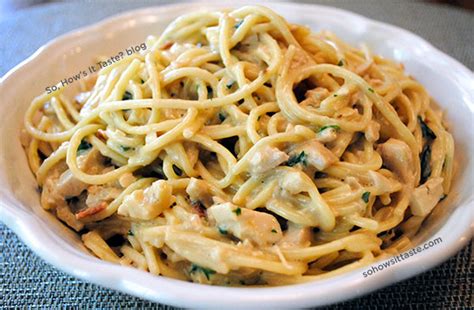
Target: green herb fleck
[(274, 231), (335, 127), (206, 271), (221, 116), (365, 197), (340, 63), (130, 233), (230, 84), (335, 95), (425, 158), (237, 25), (296, 159), (425, 130), (84, 146), (371, 90), (142, 81), (222, 230), (124, 148), (177, 170), (237, 211), (127, 95)]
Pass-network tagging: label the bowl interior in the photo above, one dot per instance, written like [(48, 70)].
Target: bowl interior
[(66, 57)]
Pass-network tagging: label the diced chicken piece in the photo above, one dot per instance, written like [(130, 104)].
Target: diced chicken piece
[(100, 193), (65, 215), (126, 179), (382, 184), (317, 155), (315, 96), (96, 208), (199, 190), (300, 59), (372, 132), (425, 197), (91, 162), (292, 182), (69, 186), (258, 227), (149, 203), (50, 199), (327, 135), (98, 198), (296, 236), (266, 159), (397, 156)]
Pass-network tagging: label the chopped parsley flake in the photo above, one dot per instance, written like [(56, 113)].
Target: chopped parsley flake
[(425, 130), (237, 211), (365, 197), (371, 90), (335, 127), (130, 232), (274, 231), (222, 230), (425, 158), (237, 25), (340, 63), (230, 84), (127, 96), (83, 146), (221, 117), (124, 148), (296, 159), (206, 271)]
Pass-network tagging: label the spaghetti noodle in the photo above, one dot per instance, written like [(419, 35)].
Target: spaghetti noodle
[(240, 149)]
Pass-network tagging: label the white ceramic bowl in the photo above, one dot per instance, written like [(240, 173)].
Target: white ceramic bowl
[(451, 84)]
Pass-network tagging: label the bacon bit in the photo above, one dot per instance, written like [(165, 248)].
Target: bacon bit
[(167, 45), (199, 208), (101, 134), (91, 211)]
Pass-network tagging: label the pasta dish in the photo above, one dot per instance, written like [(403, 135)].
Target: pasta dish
[(239, 149)]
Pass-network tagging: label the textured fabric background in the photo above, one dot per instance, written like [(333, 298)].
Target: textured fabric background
[(27, 281)]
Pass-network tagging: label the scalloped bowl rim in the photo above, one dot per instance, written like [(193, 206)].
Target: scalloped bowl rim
[(179, 293)]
